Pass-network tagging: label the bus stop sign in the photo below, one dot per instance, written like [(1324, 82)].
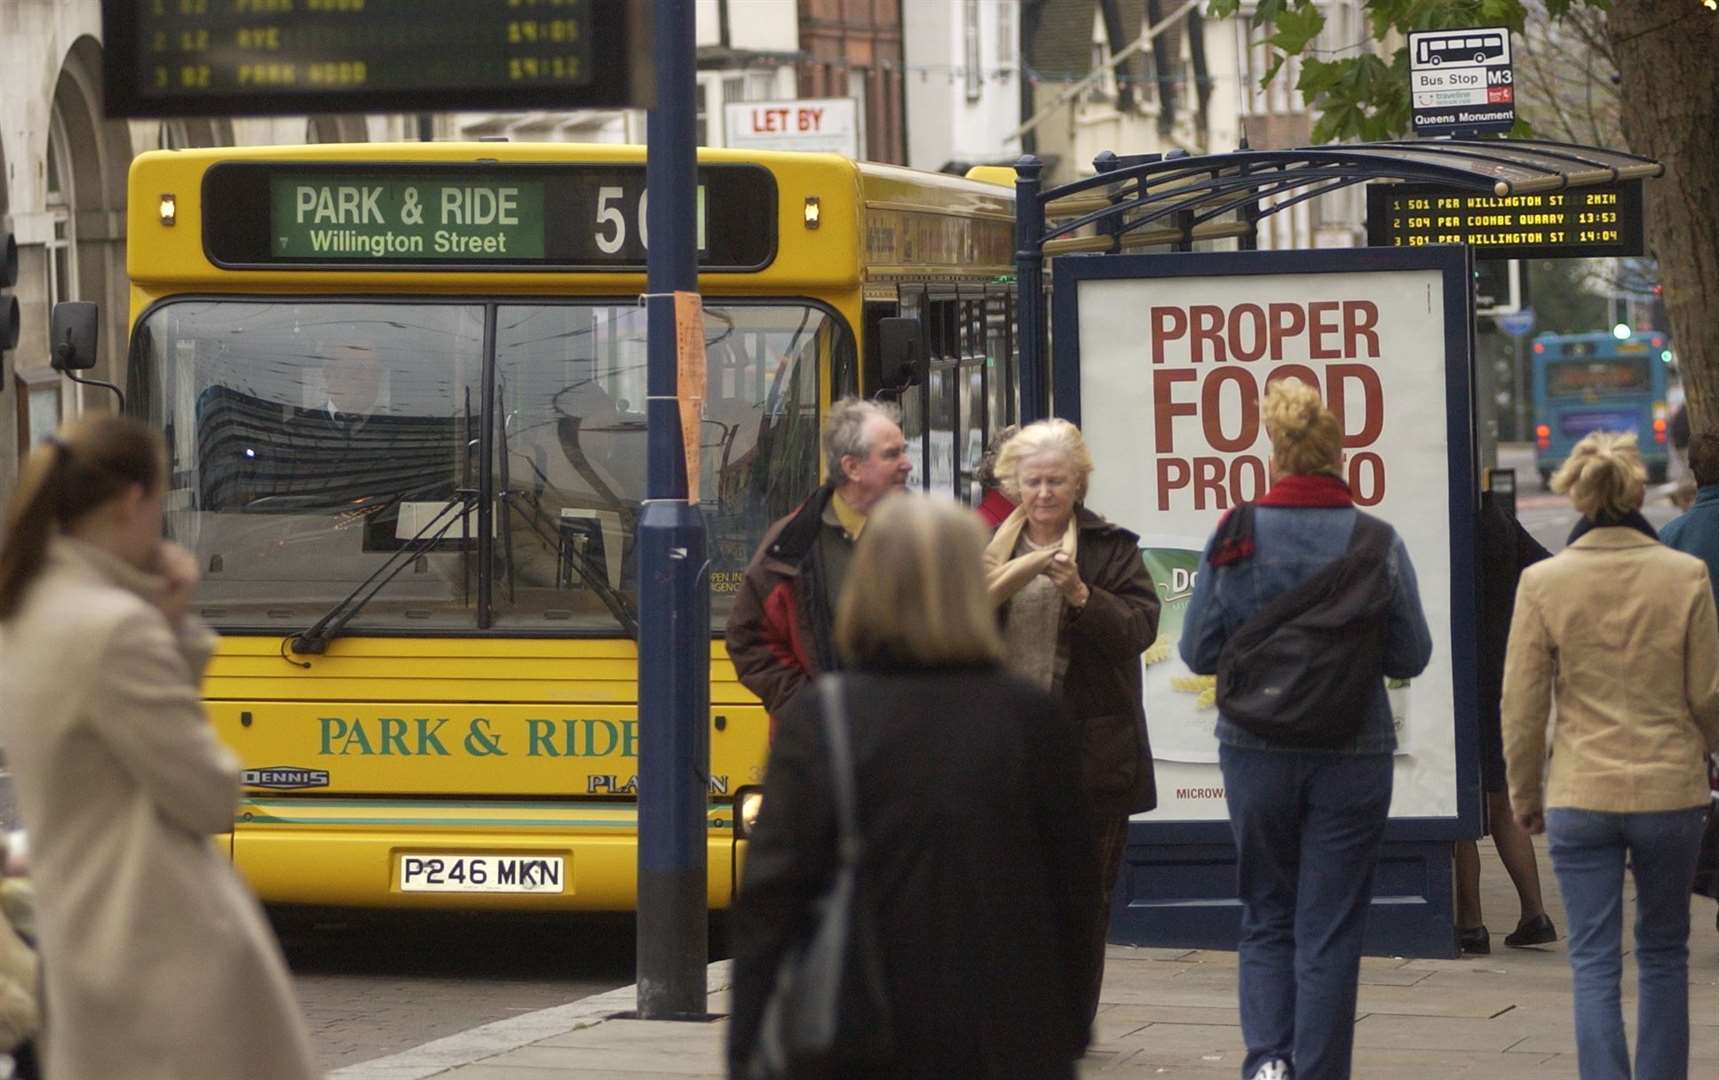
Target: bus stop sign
[(1461, 81)]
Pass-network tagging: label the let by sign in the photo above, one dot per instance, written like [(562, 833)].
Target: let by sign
[(830, 125)]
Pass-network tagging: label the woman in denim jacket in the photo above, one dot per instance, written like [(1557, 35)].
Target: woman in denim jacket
[(1307, 823)]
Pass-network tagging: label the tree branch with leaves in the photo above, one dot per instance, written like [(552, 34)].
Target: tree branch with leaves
[(1667, 107)]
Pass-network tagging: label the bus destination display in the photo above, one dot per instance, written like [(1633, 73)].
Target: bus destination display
[(1588, 222), (529, 217), (178, 57)]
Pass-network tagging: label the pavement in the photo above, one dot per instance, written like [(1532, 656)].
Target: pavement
[(1165, 1013), (1171, 1013)]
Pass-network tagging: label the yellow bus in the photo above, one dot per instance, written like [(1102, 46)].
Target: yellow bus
[(403, 389)]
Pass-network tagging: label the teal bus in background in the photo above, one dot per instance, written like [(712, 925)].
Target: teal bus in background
[(1601, 382)]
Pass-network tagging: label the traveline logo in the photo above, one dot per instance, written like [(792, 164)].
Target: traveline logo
[(286, 778)]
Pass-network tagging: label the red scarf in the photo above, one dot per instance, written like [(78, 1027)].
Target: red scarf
[(1308, 489)]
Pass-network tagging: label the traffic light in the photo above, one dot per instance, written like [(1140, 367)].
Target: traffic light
[(9, 317)]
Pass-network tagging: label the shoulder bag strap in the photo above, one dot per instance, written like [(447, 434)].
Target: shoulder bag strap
[(1371, 536), (1370, 539), (841, 766)]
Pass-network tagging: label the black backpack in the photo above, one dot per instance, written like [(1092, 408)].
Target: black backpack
[(1303, 670)]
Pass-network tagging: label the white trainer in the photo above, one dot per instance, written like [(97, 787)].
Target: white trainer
[(1273, 1070)]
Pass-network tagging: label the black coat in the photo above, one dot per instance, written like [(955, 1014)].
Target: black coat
[(1102, 693), (966, 783), (1506, 549)]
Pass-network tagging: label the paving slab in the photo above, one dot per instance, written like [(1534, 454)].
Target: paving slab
[(1164, 1013)]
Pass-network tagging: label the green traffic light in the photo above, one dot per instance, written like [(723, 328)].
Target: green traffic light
[(1621, 331)]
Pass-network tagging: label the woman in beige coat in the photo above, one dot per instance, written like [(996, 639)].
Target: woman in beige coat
[(158, 962), (1620, 632)]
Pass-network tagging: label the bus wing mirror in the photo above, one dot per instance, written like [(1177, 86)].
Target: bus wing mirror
[(75, 335), (901, 352)]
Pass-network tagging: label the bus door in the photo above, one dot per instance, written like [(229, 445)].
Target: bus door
[(969, 331)]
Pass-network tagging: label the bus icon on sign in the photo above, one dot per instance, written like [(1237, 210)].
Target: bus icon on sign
[(1459, 49)]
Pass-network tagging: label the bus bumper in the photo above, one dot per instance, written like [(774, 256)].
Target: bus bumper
[(364, 868)]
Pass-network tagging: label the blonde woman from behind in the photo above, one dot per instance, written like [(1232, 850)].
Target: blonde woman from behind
[(158, 962), (1308, 823), (1619, 632)]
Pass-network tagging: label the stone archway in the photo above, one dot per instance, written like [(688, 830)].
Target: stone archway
[(87, 160)]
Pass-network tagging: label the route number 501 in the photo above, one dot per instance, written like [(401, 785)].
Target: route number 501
[(611, 233)]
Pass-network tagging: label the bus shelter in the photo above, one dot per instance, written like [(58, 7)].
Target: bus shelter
[(1161, 356)]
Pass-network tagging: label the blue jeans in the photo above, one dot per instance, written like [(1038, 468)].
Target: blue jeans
[(1589, 849), (1307, 827)]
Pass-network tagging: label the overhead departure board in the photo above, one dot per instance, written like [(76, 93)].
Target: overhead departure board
[(1587, 222), (432, 216), (251, 57)]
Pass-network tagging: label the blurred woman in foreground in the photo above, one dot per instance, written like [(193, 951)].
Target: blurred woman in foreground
[(159, 964), (970, 839), (1619, 632)]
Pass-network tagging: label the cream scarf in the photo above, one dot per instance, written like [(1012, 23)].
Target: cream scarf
[(1006, 575)]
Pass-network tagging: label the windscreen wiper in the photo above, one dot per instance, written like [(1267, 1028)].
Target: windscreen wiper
[(314, 641), (595, 577)]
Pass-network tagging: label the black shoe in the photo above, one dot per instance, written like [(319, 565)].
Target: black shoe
[(1537, 931), (1474, 940)]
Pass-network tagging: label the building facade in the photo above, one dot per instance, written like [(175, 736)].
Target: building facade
[(1092, 85), (963, 64), (853, 48)]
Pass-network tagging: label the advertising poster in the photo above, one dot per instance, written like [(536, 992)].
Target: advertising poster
[(1171, 371)]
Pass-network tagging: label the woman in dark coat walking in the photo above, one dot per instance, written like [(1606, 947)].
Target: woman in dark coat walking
[(963, 777), (1078, 608)]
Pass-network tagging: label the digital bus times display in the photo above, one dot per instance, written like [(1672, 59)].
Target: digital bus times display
[(450, 217), (1581, 378), (176, 56), (1589, 222)]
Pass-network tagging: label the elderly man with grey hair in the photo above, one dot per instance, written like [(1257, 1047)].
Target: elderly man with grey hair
[(779, 628)]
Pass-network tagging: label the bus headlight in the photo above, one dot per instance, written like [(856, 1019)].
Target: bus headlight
[(747, 803)]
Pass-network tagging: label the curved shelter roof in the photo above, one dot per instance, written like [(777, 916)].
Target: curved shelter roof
[(1186, 196)]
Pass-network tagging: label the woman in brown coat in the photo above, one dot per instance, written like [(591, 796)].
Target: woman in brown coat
[(1078, 609), (159, 964)]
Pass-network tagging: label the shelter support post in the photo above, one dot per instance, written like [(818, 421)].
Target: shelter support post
[(674, 602), (1030, 285)]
